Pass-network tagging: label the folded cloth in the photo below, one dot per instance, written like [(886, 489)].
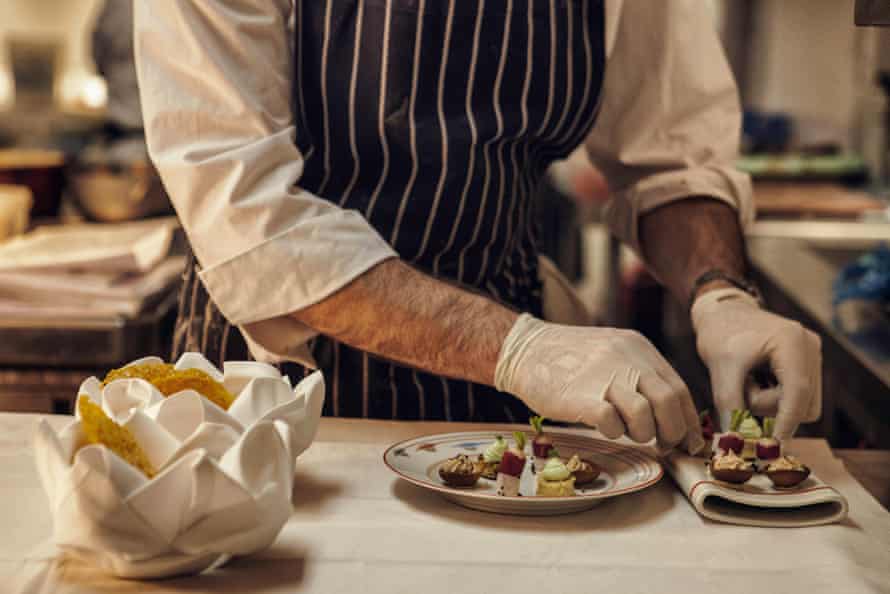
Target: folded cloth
[(40, 294), (224, 477), (127, 247), (757, 502)]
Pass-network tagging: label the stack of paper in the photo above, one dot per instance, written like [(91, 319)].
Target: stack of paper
[(87, 270)]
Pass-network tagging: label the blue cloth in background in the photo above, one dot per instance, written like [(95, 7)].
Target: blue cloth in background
[(867, 278)]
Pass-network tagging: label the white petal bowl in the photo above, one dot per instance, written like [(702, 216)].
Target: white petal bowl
[(224, 481)]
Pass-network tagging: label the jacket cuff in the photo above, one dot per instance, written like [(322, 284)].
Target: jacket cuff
[(296, 268), (726, 184)]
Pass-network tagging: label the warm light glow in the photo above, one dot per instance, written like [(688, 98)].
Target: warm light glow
[(95, 92), (84, 91), (7, 90)]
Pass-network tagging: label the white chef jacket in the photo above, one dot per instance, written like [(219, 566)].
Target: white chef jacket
[(216, 84)]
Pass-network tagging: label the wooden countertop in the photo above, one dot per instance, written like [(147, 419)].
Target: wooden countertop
[(872, 469)]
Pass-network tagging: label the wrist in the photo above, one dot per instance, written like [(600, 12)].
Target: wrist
[(716, 279), (514, 348), (497, 327), (713, 285), (713, 300)]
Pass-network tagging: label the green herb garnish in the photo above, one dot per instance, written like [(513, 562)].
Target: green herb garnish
[(769, 425), (738, 416)]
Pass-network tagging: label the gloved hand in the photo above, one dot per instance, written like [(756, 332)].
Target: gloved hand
[(612, 379), (735, 336)]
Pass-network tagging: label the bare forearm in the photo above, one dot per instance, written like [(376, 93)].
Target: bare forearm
[(684, 239), (399, 313)]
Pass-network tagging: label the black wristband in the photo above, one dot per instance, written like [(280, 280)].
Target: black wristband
[(715, 274)]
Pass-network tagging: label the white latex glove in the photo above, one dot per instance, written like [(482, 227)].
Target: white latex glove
[(734, 336), (612, 379)]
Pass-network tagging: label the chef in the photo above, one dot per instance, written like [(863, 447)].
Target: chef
[(355, 179)]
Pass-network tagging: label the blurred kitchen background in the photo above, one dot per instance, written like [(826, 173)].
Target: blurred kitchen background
[(91, 255)]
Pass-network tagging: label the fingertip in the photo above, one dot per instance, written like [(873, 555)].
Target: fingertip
[(813, 415), (609, 423), (764, 402), (672, 441), (814, 410), (694, 442), (784, 428), (729, 392)]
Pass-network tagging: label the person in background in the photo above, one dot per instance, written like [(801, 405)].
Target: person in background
[(354, 178)]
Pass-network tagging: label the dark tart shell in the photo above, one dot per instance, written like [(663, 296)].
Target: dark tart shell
[(732, 475), (785, 479), (459, 479), (587, 473)]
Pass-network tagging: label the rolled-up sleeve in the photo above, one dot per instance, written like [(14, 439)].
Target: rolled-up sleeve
[(215, 83), (670, 119)]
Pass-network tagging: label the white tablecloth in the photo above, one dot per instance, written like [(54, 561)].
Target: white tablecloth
[(356, 528)]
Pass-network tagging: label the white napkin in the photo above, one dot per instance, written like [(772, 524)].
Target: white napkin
[(120, 293), (757, 502), (126, 247), (224, 481)]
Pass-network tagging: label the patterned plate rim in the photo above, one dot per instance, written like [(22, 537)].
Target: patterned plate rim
[(613, 448)]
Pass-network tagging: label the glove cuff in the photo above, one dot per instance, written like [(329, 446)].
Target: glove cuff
[(524, 331), (712, 300)]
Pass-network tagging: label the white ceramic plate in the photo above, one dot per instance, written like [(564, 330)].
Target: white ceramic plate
[(624, 470)]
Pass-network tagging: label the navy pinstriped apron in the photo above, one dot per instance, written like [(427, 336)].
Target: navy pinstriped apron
[(436, 119)]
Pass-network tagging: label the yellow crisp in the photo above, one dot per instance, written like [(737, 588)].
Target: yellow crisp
[(169, 381), (197, 380), (147, 371), (98, 428)]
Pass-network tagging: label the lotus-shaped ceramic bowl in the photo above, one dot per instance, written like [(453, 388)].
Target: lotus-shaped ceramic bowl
[(224, 477)]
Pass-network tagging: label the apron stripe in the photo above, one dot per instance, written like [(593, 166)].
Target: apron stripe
[(190, 336), (479, 215), (188, 276), (530, 170), (495, 292), (205, 330), (446, 397), (298, 34), (335, 388), (570, 55), (324, 98), (440, 112), (486, 152), (412, 106), (474, 136), (394, 392), (353, 144), (580, 126), (588, 68), (509, 414), (531, 164), (471, 403), (224, 344), (551, 73), (364, 385), (499, 116), (518, 198), (421, 396), (384, 144)]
